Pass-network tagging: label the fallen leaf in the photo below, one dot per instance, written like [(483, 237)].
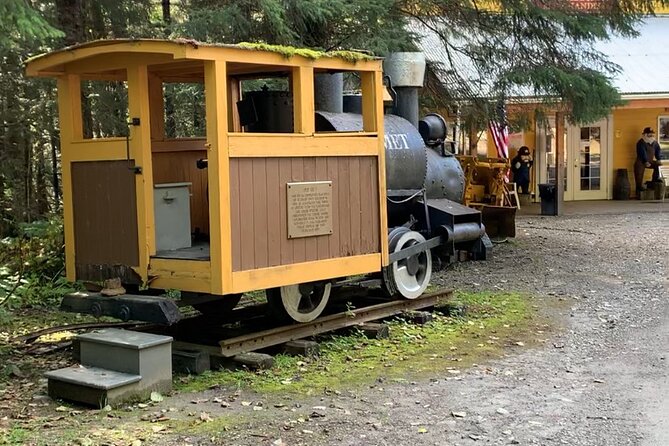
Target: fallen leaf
[(204, 416), (422, 430), (459, 414), (246, 403), (62, 409)]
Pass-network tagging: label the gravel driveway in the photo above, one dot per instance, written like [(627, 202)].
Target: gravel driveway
[(601, 378)]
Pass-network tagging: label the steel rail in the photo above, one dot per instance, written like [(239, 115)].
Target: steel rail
[(267, 338)]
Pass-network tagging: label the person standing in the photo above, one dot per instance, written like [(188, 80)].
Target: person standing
[(647, 157), (520, 166)]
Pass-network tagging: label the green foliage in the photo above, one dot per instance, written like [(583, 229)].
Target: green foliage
[(519, 48), (493, 320), (325, 25), (186, 117), (32, 266), (20, 24)]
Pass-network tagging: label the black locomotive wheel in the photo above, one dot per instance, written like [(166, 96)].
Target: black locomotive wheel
[(298, 303)]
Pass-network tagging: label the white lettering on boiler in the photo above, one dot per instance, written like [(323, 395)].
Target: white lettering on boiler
[(396, 141)]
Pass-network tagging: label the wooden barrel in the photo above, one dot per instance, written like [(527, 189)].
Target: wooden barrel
[(621, 185)]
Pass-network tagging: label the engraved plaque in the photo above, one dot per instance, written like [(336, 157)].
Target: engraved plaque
[(309, 208)]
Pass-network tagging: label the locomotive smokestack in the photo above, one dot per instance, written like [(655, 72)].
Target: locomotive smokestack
[(406, 72), (329, 92)]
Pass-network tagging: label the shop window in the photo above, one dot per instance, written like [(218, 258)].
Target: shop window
[(104, 109), (184, 110)]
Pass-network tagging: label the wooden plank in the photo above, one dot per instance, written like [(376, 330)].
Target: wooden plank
[(369, 101), (374, 206), (140, 151), (310, 243), (260, 220), (273, 192), (344, 208), (381, 168), (235, 215), (323, 246), (303, 99), (334, 239), (157, 104), (292, 145), (354, 199), (218, 176), (179, 144), (367, 193), (247, 222), (299, 244), (263, 278), (234, 125), (285, 172)]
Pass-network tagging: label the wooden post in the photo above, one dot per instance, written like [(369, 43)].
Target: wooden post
[(559, 161)]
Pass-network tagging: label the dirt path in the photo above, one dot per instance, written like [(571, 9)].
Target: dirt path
[(600, 377), (600, 380)]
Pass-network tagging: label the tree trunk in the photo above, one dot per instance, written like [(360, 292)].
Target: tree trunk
[(70, 20)]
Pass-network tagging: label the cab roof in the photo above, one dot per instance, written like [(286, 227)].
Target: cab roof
[(103, 55)]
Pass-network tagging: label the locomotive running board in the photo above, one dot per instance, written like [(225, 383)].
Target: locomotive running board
[(280, 335)]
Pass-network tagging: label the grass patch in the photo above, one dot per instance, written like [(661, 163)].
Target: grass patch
[(493, 321)]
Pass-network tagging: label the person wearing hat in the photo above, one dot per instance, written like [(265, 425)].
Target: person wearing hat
[(647, 157), (520, 166)]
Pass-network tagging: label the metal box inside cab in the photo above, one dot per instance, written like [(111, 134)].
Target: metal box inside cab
[(172, 215)]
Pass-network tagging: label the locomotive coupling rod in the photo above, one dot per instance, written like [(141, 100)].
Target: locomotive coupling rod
[(267, 338), (416, 249)]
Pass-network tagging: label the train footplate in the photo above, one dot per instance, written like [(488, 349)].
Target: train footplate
[(159, 310)]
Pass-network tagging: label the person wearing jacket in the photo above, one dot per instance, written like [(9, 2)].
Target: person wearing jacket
[(520, 166), (647, 157)]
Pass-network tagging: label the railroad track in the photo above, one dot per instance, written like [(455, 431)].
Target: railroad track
[(280, 335), (231, 338)]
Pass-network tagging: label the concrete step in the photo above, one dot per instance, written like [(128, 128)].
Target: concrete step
[(94, 386), (127, 351), (116, 366)]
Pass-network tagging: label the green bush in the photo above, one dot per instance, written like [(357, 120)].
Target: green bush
[(33, 266)]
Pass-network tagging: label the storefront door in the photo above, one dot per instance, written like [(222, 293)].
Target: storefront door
[(587, 157)]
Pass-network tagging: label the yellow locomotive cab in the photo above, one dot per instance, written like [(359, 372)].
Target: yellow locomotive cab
[(243, 202)]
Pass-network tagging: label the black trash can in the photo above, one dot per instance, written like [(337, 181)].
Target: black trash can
[(548, 195)]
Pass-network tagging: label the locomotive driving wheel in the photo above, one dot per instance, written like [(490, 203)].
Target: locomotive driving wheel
[(299, 303), (407, 277)]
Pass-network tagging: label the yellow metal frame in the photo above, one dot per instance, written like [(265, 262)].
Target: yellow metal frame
[(130, 61)]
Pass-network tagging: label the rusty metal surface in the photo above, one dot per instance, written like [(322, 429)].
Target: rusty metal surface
[(267, 338), (309, 208)]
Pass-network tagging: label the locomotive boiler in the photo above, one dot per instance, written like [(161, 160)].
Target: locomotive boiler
[(291, 190)]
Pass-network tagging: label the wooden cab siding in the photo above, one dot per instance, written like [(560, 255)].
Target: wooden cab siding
[(259, 215)]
